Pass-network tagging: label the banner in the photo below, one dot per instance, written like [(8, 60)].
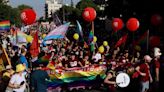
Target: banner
[(76, 75)]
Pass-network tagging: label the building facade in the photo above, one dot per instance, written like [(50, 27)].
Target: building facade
[(52, 6)]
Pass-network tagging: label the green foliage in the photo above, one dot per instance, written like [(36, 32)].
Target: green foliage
[(86, 3), (23, 6), (12, 14), (73, 14)]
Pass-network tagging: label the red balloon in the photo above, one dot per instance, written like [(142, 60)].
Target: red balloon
[(156, 19), (154, 41), (132, 24), (117, 24), (28, 16), (89, 14)]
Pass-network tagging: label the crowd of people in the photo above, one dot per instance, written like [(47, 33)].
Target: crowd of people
[(142, 68)]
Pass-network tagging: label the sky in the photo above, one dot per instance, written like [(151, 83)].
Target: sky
[(38, 5)]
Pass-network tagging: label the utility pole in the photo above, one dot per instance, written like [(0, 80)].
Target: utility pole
[(72, 4), (63, 11)]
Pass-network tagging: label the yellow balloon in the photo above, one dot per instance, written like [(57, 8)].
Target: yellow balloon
[(44, 35), (101, 49), (76, 36), (29, 39), (94, 39), (105, 43)]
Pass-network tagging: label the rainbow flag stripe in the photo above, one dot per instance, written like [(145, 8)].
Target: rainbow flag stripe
[(5, 25), (79, 76)]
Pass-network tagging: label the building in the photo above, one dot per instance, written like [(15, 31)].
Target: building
[(52, 6)]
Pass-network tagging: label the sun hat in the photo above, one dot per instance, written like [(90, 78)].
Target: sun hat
[(20, 68)]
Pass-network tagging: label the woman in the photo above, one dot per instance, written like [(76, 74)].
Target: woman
[(18, 81)]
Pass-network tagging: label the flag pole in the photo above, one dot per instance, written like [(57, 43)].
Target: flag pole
[(8, 60), (147, 44), (93, 36)]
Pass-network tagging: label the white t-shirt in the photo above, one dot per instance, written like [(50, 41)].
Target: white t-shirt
[(97, 57), (17, 79)]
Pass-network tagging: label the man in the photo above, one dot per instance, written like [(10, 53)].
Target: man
[(38, 79), (73, 62), (155, 66), (23, 59), (144, 72)]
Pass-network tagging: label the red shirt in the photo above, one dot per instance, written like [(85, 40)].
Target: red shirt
[(157, 64), (144, 68)]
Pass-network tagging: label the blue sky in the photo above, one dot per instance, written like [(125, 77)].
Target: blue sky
[(38, 5)]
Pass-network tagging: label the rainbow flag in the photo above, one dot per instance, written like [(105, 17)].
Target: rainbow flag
[(4, 25), (18, 37), (75, 76), (43, 60)]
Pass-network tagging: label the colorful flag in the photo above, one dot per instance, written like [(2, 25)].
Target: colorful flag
[(121, 40), (79, 29), (18, 37), (34, 48), (142, 39), (58, 32), (4, 25), (90, 39)]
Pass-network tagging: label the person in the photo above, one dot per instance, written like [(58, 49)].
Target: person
[(38, 83), (6, 77), (110, 81), (18, 81), (23, 59), (144, 71), (155, 67), (9, 71), (73, 62)]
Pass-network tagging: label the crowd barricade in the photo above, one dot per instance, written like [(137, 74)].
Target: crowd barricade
[(78, 76)]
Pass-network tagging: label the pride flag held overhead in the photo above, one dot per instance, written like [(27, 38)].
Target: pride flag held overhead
[(4, 25), (58, 32)]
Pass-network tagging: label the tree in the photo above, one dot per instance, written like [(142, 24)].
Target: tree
[(86, 3), (4, 12), (12, 14), (23, 6)]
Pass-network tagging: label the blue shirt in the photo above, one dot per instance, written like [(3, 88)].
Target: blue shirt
[(23, 60)]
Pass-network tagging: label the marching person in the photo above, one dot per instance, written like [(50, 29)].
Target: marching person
[(18, 82), (144, 72), (38, 79), (110, 80)]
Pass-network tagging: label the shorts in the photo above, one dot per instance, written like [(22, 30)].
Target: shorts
[(144, 86)]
